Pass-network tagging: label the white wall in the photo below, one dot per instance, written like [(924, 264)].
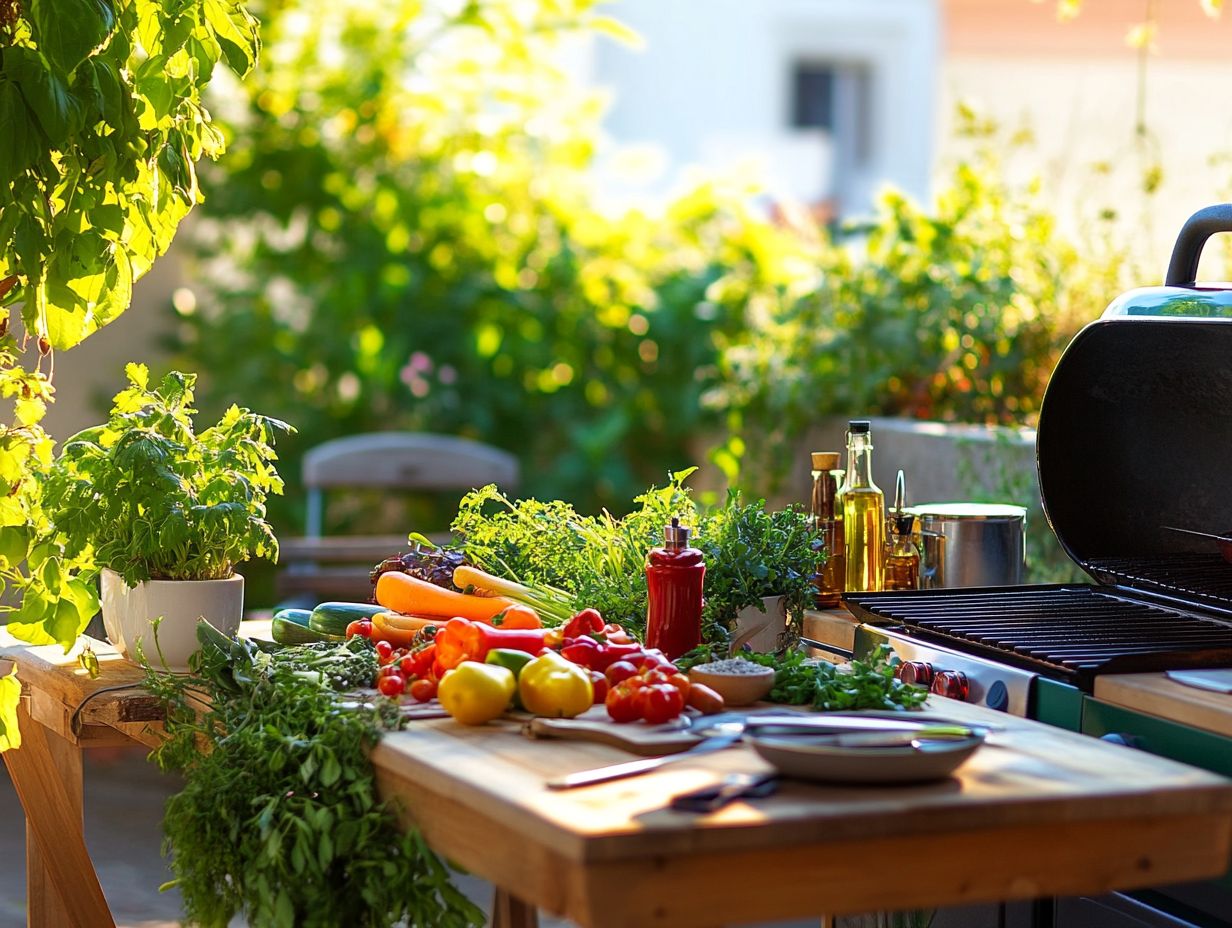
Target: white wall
[(713, 83)]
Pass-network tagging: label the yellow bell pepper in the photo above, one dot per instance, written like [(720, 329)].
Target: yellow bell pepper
[(552, 686), (474, 693)]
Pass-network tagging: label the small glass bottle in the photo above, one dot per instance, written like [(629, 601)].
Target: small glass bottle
[(674, 577), (863, 514), (902, 563), (829, 581)]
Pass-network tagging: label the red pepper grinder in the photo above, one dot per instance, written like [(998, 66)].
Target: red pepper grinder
[(674, 575)]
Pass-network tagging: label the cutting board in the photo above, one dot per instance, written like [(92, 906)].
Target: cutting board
[(636, 737)]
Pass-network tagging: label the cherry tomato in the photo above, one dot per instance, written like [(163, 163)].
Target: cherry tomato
[(599, 682), (406, 664), (360, 627), (681, 682), (619, 671), (622, 704), (660, 703), (423, 689), (519, 616), (384, 651), (391, 685)]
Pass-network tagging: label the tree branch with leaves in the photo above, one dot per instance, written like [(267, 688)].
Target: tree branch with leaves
[(101, 126)]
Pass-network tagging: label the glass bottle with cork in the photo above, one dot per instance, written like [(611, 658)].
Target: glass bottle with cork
[(902, 558), (675, 574), (825, 510), (863, 513)]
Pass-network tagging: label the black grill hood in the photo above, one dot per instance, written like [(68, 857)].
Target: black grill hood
[(1135, 433)]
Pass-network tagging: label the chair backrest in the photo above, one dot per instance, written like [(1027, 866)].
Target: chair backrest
[(402, 461)]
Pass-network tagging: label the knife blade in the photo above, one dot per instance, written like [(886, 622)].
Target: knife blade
[(635, 767)]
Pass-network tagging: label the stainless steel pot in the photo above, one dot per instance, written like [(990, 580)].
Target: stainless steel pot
[(972, 544)]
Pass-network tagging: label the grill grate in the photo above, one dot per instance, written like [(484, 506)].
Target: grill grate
[(1200, 577), (1066, 632)]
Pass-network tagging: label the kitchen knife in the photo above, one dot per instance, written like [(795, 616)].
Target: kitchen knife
[(635, 767)]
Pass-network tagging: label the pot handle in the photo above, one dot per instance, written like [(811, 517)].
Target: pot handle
[(1183, 268)]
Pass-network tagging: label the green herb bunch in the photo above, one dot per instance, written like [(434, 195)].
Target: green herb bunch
[(153, 499), (279, 819), (753, 552)]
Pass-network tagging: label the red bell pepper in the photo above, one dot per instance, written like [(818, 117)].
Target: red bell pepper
[(463, 640), (586, 622), (608, 654), (583, 650)]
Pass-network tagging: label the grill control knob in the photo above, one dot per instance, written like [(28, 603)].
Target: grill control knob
[(918, 672), (998, 697), (951, 683)]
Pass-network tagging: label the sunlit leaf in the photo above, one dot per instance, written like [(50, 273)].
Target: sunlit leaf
[(10, 694)]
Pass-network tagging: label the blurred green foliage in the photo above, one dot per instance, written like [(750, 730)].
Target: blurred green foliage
[(400, 239), (957, 313), (397, 240)]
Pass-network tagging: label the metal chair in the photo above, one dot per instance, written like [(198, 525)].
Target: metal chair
[(317, 566)]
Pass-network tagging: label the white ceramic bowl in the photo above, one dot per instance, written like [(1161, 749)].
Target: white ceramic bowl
[(737, 689)]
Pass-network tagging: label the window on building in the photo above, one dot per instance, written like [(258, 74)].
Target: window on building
[(835, 97)]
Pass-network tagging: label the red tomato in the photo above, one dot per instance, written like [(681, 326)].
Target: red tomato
[(423, 689), (619, 671), (406, 664), (681, 682), (360, 627), (391, 685), (660, 703), (384, 651), (622, 704), (599, 682)]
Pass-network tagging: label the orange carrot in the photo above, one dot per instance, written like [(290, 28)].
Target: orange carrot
[(404, 593)]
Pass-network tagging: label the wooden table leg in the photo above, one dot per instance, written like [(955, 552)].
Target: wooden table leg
[(510, 912), (61, 885)]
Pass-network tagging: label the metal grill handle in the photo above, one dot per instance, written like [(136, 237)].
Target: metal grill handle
[(1183, 268)]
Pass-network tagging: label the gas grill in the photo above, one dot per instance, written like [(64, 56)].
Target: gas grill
[(1134, 437), (1069, 633)]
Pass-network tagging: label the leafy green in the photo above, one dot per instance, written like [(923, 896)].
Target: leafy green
[(798, 681), (102, 119), (10, 692), (279, 819), (151, 498), (753, 552)]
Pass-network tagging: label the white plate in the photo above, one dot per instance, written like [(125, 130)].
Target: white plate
[(806, 758)]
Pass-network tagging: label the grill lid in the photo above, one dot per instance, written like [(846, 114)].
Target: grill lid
[(1135, 433)]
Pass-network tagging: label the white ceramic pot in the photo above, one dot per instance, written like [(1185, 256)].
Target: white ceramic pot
[(764, 628), (129, 614)]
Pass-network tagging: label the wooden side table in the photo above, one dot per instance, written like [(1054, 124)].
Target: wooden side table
[(62, 712)]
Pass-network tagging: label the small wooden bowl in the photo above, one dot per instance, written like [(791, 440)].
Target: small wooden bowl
[(737, 689)]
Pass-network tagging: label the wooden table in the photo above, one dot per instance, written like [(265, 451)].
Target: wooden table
[(1036, 812)]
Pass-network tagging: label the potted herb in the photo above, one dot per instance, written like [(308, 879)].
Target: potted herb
[(759, 564), (166, 513)]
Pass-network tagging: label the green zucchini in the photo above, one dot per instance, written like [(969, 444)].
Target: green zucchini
[(298, 616), (287, 629), (333, 618)]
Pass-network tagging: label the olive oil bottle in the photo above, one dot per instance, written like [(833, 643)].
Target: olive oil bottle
[(863, 514)]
